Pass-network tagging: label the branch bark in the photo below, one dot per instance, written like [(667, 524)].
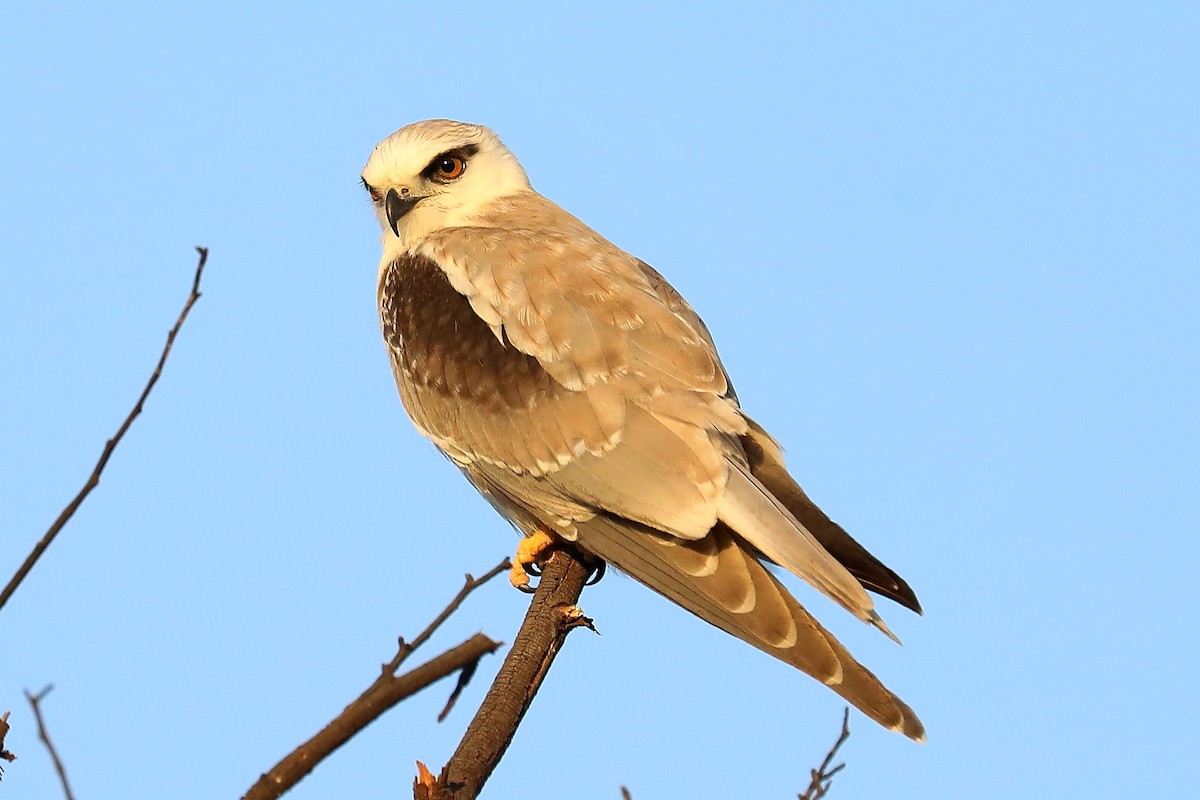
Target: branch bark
[(552, 615), (94, 479), (387, 691)]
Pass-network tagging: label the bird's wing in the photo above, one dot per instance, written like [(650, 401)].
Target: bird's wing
[(473, 395), (583, 308), (673, 300), (538, 354)]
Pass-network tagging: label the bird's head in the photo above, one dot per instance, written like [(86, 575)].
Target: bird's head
[(437, 174)]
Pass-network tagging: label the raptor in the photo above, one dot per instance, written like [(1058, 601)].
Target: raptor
[(584, 398)]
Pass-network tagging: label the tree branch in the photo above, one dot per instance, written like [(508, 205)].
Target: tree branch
[(94, 479), (4, 754), (552, 615), (35, 700), (822, 776), (387, 690)]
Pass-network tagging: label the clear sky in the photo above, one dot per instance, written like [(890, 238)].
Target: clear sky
[(949, 254)]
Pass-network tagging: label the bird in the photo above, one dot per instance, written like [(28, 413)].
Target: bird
[(584, 398)]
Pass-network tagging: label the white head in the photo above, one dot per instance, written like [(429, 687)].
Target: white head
[(437, 174)]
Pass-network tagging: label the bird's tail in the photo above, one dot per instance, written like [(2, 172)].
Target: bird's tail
[(720, 581)]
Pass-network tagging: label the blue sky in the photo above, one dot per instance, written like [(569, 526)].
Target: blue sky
[(949, 254)]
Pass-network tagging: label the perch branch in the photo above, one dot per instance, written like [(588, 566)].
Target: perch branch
[(552, 615), (94, 479)]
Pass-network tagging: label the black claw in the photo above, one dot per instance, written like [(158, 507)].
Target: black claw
[(597, 574), (527, 589)]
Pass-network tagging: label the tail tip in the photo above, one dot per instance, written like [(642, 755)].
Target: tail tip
[(876, 620)]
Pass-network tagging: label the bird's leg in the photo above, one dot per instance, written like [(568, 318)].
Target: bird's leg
[(530, 550)]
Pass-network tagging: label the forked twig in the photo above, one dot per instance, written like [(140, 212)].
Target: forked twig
[(387, 690), (35, 700), (822, 776)]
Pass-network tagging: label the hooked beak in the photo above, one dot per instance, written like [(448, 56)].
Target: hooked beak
[(396, 207)]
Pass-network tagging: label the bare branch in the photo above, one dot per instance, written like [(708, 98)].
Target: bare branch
[(552, 615), (387, 690), (4, 754), (822, 776), (94, 479), (470, 584), (35, 700)]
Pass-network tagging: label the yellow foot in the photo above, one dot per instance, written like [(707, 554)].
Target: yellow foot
[(529, 552)]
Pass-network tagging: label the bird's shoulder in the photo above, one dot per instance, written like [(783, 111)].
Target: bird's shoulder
[(563, 294)]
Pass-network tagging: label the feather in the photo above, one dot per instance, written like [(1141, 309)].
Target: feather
[(766, 465), (743, 599)]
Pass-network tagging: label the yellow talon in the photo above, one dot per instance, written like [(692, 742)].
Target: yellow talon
[(529, 552)]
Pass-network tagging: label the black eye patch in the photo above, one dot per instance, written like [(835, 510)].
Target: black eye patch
[(465, 152)]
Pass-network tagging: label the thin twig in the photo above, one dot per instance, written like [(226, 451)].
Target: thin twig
[(387, 690), (35, 700), (551, 616), (464, 678), (822, 776), (94, 479), (4, 754), (470, 584)]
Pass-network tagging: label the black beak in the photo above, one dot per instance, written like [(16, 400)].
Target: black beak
[(396, 207)]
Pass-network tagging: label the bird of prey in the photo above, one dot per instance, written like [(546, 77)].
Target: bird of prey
[(584, 398)]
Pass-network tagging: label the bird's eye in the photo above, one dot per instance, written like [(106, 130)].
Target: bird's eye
[(449, 167), (372, 191)]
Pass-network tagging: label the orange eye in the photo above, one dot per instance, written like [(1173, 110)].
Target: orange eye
[(449, 167)]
